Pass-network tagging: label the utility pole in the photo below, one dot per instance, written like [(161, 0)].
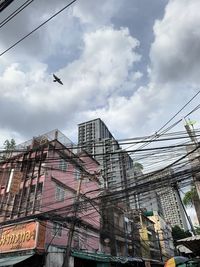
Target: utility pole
[(195, 161), (66, 261), (188, 218), (193, 138)]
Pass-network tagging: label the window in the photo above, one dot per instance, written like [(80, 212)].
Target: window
[(25, 191), (63, 165), (39, 189), (16, 204), (37, 204), (60, 193), (32, 190), (76, 241), (116, 219), (57, 229), (77, 174), (30, 205)]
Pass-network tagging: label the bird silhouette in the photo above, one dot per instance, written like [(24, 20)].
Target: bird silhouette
[(56, 79)]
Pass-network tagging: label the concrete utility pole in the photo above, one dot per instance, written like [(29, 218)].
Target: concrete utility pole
[(195, 160), (66, 261), (188, 218), (192, 135)]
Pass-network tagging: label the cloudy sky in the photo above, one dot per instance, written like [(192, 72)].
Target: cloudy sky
[(133, 63), (130, 62)]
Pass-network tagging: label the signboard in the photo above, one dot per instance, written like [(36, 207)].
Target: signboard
[(22, 237), (14, 182), (41, 236)]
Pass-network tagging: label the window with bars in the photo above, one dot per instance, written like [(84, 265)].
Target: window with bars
[(39, 189), (60, 193), (37, 204), (32, 189), (16, 204), (76, 241), (57, 229), (30, 205), (63, 165)]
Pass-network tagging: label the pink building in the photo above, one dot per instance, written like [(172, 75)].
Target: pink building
[(39, 183)]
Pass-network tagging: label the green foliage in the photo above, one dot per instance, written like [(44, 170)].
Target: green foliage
[(138, 166), (179, 233), (9, 146), (197, 230), (189, 197)]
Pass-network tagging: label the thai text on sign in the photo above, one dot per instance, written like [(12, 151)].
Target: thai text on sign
[(19, 237)]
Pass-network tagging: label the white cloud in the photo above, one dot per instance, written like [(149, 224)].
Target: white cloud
[(98, 64), (53, 39), (9, 134), (137, 114), (96, 13), (104, 66), (175, 53)]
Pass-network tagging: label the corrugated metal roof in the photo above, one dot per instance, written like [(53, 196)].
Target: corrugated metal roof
[(191, 238), (192, 243), (182, 248)]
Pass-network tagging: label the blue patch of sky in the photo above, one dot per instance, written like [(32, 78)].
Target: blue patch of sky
[(139, 17), (67, 51)]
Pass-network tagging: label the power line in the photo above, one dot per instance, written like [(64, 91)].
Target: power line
[(37, 28), (15, 13), (158, 134), (179, 111)]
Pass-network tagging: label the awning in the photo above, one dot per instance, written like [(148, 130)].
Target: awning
[(90, 256), (100, 257), (125, 259), (6, 261)]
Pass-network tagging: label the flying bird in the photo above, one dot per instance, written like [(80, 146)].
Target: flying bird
[(56, 79)]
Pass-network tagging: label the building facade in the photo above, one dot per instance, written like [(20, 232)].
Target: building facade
[(164, 235), (40, 183), (96, 139), (157, 197)]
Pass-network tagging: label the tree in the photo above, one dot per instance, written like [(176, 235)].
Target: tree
[(9, 146), (197, 230), (179, 233), (138, 166), (191, 199)]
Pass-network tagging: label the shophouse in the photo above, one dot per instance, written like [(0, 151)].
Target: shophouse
[(40, 183)]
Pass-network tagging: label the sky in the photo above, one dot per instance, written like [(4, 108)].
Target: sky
[(132, 63)]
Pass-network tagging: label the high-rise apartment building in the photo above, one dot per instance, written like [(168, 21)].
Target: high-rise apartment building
[(149, 200), (171, 204), (163, 199), (92, 131), (97, 140), (172, 208)]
